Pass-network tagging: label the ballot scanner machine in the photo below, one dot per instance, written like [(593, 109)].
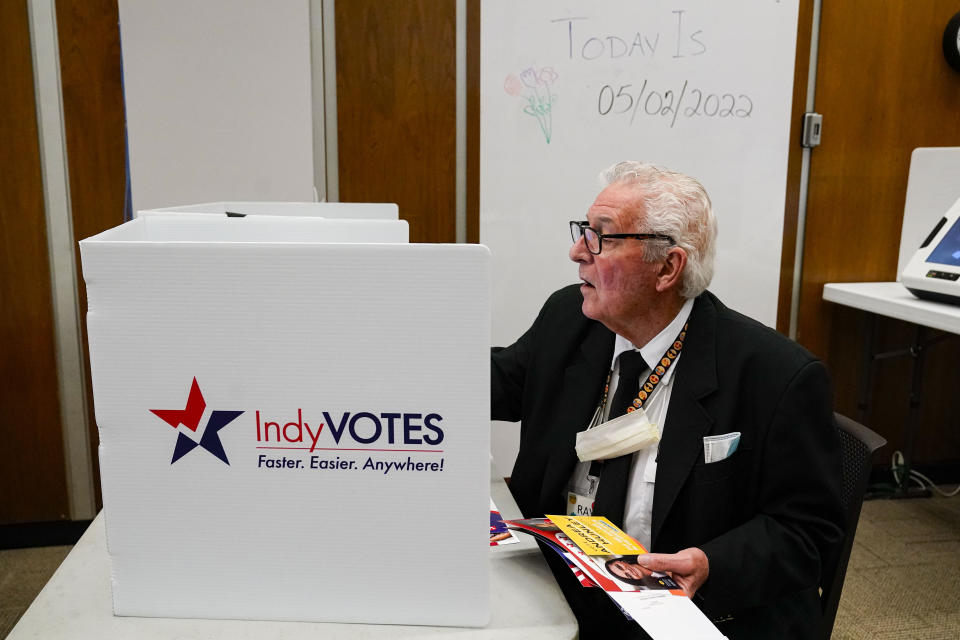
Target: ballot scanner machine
[(933, 273)]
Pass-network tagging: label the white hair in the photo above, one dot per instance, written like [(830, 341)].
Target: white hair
[(674, 205)]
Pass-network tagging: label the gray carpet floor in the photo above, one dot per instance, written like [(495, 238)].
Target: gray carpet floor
[(23, 572), (903, 581)]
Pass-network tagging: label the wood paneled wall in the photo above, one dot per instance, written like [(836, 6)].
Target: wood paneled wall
[(32, 473), (883, 88), (89, 40), (473, 121), (396, 110)]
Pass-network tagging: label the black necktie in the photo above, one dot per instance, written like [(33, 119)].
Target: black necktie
[(612, 492)]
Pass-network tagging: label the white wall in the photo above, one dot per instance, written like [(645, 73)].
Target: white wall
[(218, 100)]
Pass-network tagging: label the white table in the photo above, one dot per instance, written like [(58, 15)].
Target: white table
[(76, 602), (891, 299)]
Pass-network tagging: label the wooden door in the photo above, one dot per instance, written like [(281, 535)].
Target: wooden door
[(32, 473), (93, 115), (33, 480), (396, 110)]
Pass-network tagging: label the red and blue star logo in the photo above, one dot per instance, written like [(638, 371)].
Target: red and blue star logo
[(190, 417)]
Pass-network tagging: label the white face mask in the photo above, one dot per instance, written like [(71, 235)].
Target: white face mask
[(626, 434)]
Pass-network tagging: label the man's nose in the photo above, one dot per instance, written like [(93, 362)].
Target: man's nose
[(578, 252)]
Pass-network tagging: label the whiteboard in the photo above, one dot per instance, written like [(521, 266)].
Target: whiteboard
[(218, 100), (569, 88)]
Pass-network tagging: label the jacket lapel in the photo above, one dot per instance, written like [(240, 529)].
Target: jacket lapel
[(576, 399), (687, 420)]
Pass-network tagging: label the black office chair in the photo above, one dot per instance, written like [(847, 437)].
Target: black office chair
[(857, 444)]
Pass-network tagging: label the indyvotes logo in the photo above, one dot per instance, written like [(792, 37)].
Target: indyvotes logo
[(190, 417)]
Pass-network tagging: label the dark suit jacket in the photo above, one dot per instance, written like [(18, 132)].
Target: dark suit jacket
[(768, 517)]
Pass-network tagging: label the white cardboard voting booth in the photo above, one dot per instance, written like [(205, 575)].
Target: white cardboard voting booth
[(353, 210), (294, 419)]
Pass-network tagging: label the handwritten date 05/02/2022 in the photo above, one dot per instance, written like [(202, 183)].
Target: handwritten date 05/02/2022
[(689, 102)]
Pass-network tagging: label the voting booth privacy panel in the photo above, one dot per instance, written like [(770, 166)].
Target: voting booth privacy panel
[(353, 210), (293, 418)]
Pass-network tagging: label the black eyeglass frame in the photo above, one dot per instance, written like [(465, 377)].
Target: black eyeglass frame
[(578, 229)]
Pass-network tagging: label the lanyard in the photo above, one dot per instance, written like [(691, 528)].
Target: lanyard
[(656, 375), (583, 486)]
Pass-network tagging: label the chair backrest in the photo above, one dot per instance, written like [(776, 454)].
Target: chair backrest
[(857, 444)]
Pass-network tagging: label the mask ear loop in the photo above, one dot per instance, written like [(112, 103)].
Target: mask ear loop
[(595, 420)]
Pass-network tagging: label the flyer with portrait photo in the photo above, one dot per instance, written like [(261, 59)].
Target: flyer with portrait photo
[(612, 572), (652, 600)]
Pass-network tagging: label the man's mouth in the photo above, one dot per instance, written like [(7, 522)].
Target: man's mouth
[(584, 283)]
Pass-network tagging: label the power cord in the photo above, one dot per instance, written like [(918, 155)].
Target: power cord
[(896, 466)]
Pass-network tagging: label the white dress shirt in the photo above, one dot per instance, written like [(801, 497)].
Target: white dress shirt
[(638, 511)]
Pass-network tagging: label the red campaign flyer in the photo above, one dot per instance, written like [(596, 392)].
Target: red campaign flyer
[(641, 595), (581, 577), (612, 573)]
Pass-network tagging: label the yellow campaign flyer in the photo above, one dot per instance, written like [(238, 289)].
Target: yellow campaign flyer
[(597, 536)]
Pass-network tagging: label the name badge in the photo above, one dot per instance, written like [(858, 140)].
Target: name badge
[(579, 505), (582, 491)]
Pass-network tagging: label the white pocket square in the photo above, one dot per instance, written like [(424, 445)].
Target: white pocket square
[(717, 448)]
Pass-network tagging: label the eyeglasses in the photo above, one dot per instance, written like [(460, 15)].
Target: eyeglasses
[(594, 240)]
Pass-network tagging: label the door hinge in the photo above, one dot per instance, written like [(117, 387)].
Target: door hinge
[(812, 126)]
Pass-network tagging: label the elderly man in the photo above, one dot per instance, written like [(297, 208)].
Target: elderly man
[(739, 500)]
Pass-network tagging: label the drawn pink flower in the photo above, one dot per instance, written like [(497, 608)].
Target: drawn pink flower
[(512, 85), (534, 87), (547, 76)]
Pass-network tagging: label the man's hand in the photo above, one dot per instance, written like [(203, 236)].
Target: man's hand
[(689, 568)]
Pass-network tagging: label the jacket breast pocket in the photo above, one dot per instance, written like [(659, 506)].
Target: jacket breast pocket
[(721, 470)]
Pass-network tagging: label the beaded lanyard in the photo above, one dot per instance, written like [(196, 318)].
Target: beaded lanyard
[(646, 389), (656, 374)]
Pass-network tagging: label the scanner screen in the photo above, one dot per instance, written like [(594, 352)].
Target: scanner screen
[(948, 251)]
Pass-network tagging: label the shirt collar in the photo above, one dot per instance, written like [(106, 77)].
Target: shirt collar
[(654, 350)]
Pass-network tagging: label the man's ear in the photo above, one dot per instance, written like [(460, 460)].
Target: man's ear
[(670, 274)]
